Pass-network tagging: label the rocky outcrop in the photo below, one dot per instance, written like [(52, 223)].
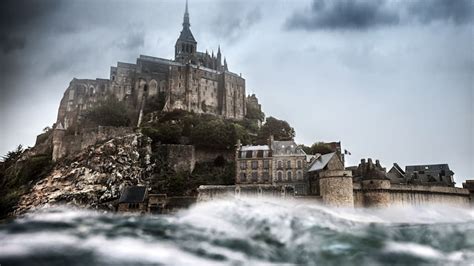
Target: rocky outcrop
[(95, 177)]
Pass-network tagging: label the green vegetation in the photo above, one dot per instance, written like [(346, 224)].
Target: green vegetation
[(17, 176), (203, 131), (110, 112), (318, 147), (280, 130)]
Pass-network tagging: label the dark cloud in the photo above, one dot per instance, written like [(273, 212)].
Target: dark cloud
[(19, 17), (10, 43), (344, 14), (427, 11), (362, 15)]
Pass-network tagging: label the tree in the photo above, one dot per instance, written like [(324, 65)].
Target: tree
[(280, 130), (318, 147), (110, 112)]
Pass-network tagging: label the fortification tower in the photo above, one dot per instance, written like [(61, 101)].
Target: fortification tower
[(375, 184), (335, 183)]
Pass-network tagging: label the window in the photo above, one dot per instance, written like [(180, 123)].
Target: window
[(254, 164), (288, 164), (266, 164), (259, 154), (243, 165), (299, 164), (265, 153), (280, 165), (248, 154), (280, 176), (243, 177), (254, 176), (299, 175), (266, 176), (288, 175)]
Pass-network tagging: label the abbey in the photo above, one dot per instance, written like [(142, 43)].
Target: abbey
[(194, 81)]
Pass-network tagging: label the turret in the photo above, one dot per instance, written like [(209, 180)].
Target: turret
[(375, 184)]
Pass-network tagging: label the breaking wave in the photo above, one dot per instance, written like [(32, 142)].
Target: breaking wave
[(242, 232)]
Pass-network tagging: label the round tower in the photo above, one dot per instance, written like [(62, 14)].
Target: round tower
[(375, 185), (336, 188)]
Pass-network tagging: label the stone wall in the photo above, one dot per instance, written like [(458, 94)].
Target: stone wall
[(403, 195), (202, 155), (179, 157), (64, 144)]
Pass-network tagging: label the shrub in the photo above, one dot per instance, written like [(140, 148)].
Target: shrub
[(110, 112)]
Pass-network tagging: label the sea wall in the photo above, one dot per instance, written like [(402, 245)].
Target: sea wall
[(403, 195)]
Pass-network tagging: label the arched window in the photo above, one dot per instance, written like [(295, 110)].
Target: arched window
[(288, 175), (280, 164), (299, 175), (280, 176), (288, 164), (299, 164)]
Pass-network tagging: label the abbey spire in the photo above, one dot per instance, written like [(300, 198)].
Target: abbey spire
[(186, 45)]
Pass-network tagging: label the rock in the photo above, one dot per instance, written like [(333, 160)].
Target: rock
[(95, 177)]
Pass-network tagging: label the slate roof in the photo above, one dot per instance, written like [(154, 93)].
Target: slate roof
[(286, 148), (321, 162), (255, 148), (186, 35), (135, 194), (427, 167)]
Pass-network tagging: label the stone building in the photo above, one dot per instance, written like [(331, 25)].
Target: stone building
[(277, 163), (194, 81), (434, 175), (133, 199)]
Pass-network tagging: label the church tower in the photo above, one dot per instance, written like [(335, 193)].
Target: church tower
[(186, 45)]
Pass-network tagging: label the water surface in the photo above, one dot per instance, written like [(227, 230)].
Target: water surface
[(242, 232)]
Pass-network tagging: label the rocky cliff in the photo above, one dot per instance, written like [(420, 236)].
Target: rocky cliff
[(95, 176)]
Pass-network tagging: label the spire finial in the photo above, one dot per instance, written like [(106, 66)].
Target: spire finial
[(186, 16)]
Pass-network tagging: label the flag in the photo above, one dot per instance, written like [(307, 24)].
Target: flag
[(347, 152)]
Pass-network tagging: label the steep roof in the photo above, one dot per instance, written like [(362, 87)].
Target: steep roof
[(321, 162), (135, 194)]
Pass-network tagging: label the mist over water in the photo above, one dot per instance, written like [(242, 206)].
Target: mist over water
[(242, 232)]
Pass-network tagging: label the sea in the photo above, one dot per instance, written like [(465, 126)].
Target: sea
[(245, 231)]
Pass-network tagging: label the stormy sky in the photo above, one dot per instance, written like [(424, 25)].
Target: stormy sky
[(392, 80)]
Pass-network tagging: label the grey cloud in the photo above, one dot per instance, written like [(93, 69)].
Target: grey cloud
[(19, 17), (426, 11), (343, 14), (133, 40), (230, 25), (362, 15), (9, 43)]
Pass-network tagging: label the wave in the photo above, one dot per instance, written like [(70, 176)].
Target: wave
[(247, 231)]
